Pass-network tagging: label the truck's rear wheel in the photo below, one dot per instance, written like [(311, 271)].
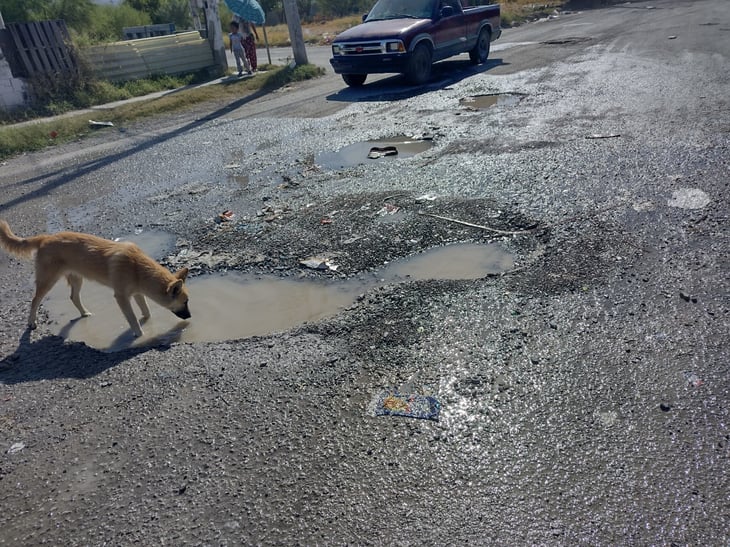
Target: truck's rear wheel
[(479, 54), (354, 80), (418, 70)]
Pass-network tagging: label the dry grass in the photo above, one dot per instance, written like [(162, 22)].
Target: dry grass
[(318, 32), (322, 32), (517, 11), (24, 138)]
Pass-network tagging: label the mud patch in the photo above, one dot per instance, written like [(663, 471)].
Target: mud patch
[(232, 306), (482, 102), (360, 153)]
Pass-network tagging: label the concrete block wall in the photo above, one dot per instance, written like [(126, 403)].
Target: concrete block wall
[(13, 91)]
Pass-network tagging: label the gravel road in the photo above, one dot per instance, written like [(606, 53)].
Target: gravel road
[(584, 395)]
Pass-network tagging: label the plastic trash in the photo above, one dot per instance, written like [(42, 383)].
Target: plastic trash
[(382, 151), (15, 448), (408, 405)]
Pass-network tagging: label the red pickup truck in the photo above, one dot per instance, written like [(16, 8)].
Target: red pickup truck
[(408, 36)]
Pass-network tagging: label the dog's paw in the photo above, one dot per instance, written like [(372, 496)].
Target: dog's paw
[(32, 326)]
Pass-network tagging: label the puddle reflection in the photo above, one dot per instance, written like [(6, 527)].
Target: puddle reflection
[(371, 151), (232, 306)]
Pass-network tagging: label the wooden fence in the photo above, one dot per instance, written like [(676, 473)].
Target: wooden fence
[(41, 47), (132, 59)]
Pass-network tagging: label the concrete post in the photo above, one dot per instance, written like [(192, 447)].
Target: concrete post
[(295, 32), (215, 34)]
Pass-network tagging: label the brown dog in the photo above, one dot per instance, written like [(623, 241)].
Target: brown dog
[(119, 265)]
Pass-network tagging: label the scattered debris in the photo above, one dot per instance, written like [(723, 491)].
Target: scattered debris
[(693, 380), (689, 198), (351, 240), (319, 263), (232, 166), (392, 403), (487, 228), (271, 213), (53, 134), (225, 216), (382, 151), (388, 209), (15, 448), (326, 220), (426, 197), (607, 136), (665, 407), (673, 37), (94, 123)]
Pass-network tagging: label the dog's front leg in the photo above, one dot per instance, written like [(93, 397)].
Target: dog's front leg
[(126, 306), (142, 303)]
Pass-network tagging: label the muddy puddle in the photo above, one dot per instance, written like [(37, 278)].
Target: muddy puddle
[(232, 306), (481, 102), (365, 152)]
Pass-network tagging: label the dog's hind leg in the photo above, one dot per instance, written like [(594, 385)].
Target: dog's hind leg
[(126, 306), (45, 279), (142, 303), (75, 281)]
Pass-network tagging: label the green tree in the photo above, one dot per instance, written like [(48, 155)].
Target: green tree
[(15, 11), (78, 14), (149, 7), (110, 20), (173, 11)]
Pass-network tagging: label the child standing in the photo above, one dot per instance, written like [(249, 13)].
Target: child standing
[(237, 39)]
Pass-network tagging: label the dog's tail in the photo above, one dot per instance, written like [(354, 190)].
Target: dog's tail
[(17, 245)]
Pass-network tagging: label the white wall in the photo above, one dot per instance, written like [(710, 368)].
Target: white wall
[(12, 90)]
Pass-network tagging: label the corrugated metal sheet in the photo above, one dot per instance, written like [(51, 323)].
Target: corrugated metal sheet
[(132, 59)]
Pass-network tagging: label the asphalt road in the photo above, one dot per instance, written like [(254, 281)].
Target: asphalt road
[(584, 395)]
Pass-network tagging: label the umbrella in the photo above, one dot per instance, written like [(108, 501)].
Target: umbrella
[(249, 10)]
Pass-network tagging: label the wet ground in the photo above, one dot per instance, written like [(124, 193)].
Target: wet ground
[(583, 383)]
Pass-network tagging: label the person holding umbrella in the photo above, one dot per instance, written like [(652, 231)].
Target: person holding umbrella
[(249, 12), (248, 29)]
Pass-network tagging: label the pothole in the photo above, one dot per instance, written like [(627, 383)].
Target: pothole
[(481, 102), (233, 306), (565, 41), (371, 151)]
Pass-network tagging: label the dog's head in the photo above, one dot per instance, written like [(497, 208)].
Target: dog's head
[(177, 295)]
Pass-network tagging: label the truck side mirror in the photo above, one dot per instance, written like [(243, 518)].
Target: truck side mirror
[(364, 16), (447, 11)]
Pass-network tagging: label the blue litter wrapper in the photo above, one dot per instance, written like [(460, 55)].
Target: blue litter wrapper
[(409, 405)]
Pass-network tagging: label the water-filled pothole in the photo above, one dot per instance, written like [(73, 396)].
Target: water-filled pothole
[(232, 306), (480, 102), (372, 151)]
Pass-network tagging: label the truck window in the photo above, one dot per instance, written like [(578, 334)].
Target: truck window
[(398, 9)]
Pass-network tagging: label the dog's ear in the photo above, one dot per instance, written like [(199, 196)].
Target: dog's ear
[(181, 274), (174, 288)]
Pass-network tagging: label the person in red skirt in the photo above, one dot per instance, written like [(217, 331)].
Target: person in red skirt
[(248, 29)]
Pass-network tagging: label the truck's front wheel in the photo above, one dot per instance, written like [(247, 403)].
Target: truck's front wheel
[(354, 80), (418, 70), (479, 54)]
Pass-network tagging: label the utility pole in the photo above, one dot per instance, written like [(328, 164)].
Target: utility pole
[(295, 32), (215, 34)]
